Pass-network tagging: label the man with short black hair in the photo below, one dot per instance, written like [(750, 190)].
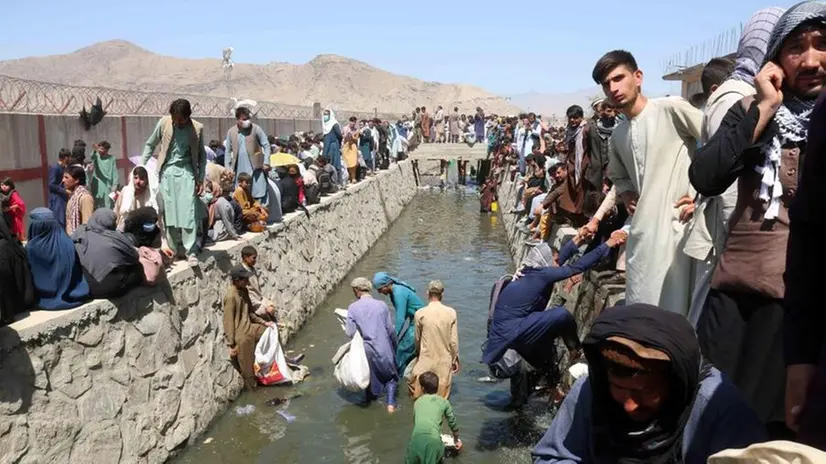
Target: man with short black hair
[(58, 196), (650, 155), (715, 73)]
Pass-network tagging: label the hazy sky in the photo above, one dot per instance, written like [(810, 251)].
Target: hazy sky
[(505, 47)]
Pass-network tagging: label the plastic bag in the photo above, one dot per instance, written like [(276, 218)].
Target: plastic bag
[(270, 366), (351, 368)]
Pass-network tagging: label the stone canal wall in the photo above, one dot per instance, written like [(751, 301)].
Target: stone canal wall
[(132, 381), (599, 289)]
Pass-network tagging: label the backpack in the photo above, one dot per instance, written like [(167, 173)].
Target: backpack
[(312, 194), (325, 183)]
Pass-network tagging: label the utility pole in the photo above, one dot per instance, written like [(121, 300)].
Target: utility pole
[(227, 64)]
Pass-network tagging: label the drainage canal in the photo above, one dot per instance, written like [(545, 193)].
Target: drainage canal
[(441, 235)]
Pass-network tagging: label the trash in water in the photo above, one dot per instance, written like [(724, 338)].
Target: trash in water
[(279, 400), (312, 346), (245, 410), (208, 441), (287, 416), (486, 379), (578, 370)]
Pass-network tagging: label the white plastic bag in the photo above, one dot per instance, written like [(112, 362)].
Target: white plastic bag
[(351, 368), (270, 365)]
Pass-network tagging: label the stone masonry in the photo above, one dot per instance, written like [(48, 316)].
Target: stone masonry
[(135, 380)]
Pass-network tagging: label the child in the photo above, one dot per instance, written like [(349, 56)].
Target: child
[(426, 446), (14, 209)]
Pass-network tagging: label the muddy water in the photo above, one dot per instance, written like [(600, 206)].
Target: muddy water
[(439, 236)]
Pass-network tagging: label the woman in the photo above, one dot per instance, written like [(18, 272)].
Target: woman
[(58, 277), (142, 191), (332, 139), (110, 262), (350, 149), (81, 204), (142, 229), (406, 303), (17, 292), (366, 146), (13, 208)]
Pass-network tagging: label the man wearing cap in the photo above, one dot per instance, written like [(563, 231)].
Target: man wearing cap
[(647, 397), (371, 318), (242, 327), (437, 342)]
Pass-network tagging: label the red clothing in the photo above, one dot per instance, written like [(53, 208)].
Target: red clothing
[(300, 183), (15, 215)]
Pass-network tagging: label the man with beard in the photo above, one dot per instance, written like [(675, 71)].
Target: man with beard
[(761, 144), (709, 227), (648, 165), (599, 132), (647, 397)]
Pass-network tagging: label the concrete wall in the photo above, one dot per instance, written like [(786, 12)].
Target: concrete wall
[(133, 380), (599, 289), (30, 143)]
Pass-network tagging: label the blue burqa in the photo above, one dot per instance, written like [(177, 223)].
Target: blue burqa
[(58, 277), (521, 321), (406, 303), (371, 318)]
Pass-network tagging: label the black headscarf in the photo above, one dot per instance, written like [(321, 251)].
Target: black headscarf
[(100, 247), (141, 227), (17, 293), (615, 437)]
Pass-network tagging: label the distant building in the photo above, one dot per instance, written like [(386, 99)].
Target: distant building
[(687, 67)]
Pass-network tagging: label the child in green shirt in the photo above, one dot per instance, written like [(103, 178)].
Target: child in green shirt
[(426, 446)]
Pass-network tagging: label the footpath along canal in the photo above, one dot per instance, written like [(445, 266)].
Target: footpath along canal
[(440, 235)]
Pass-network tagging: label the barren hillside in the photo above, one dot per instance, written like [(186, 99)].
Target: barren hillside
[(333, 80)]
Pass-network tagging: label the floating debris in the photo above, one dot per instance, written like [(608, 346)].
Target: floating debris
[(487, 379), (287, 416), (281, 400), (208, 441), (245, 410)]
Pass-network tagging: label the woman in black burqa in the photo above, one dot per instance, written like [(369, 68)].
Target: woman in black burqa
[(17, 293)]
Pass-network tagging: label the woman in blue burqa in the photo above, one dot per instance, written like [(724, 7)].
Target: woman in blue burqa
[(522, 320), (56, 271), (406, 303)]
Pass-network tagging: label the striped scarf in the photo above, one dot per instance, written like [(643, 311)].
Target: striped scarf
[(74, 206)]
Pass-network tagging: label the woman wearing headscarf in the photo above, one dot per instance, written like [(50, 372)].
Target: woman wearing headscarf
[(709, 227), (110, 262), (761, 146), (14, 208), (142, 229), (406, 303), (646, 397), (332, 138), (17, 292), (521, 319), (58, 277)]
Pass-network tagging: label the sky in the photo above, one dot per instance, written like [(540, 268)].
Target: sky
[(507, 48)]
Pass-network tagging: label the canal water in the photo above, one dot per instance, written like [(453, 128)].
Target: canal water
[(440, 235)]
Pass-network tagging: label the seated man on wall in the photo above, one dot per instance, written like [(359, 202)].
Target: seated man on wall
[(647, 397), (254, 215)]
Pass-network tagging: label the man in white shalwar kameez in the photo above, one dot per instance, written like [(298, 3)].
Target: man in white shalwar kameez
[(650, 154)]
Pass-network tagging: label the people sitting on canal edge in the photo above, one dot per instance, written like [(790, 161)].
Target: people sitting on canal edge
[(371, 319), (430, 411), (647, 397)]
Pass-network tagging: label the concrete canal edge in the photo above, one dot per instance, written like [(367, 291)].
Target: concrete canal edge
[(597, 290), (134, 380)]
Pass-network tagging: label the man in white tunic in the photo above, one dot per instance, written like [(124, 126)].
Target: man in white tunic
[(648, 164)]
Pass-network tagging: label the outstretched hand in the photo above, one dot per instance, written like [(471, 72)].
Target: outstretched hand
[(618, 237)]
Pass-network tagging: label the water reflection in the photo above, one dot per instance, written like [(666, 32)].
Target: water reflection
[(439, 236)]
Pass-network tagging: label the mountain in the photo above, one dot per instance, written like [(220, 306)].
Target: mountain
[(340, 82)]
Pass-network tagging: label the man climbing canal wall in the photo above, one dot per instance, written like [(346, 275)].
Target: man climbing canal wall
[(598, 289), (135, 380)]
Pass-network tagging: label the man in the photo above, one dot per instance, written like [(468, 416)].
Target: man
[(426, 122), (563, 205), (248, 151), (761, 144), (262, 306), (578, 158), (650, 155), (181, 168), (242, 327), (138, 193), (524, 141), (710, 225), (439, 120), (453, 125), (371, 319), (599, 130), (104, 174), (646, 398), (417, 125), (58, 196), (437, 342)]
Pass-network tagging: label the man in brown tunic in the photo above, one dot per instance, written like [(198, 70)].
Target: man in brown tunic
[(242, 327), (437, 342)]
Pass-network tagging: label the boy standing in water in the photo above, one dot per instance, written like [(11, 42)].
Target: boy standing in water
[(426, 446)]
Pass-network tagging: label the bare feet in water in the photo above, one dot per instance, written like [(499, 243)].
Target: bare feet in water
[(391, 409)]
